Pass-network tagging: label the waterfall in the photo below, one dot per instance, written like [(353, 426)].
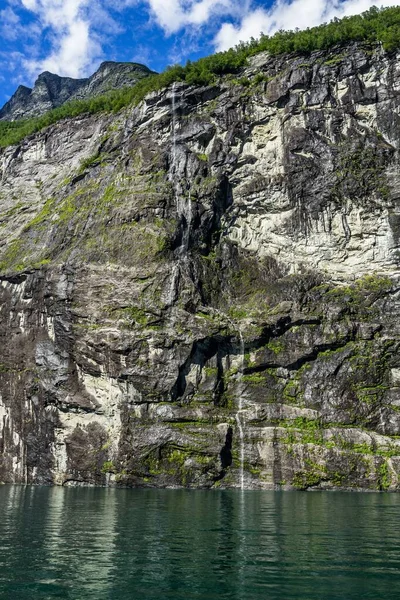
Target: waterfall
[(187, 214), (239, 414), (173, 102), (183, 200), (171, 297), (183, 203)]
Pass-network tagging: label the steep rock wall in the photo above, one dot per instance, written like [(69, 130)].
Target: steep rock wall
[(204, 290)]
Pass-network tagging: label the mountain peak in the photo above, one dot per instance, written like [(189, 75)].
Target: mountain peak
[(51, 90)]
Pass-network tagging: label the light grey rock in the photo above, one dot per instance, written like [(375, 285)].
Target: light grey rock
[(209, 296)]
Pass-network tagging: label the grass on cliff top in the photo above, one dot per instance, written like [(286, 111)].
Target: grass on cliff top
[(375, 25)]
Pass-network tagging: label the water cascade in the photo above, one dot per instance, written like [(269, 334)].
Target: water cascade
[(173, 102), (239, 414), (183, 203), (184, 213), (171, 296)]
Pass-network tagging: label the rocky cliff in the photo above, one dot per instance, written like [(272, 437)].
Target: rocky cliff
[(203, 291), (51, 91)]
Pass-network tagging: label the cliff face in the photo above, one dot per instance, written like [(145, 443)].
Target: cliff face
[(204, 290), (51, 91)]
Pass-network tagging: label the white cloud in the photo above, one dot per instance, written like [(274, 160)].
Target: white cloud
[(10, 24), (12, 29), (74, 31), (173, 15), (74, 45), (286, 14)]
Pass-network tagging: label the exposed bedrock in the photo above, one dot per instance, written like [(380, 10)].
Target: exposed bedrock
[(207, 287)]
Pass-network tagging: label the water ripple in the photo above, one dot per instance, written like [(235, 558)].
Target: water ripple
[(155, 545)]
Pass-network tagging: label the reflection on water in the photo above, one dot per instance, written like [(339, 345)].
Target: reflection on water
[(164, 544)]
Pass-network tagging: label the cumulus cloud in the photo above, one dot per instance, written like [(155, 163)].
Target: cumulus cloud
[(173, 15), (74, 46), (289, 14), (70, 34)]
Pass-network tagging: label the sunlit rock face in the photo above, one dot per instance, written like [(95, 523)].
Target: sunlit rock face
[(203, 291)]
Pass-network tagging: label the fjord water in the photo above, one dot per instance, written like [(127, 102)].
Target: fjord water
[(80, 543)]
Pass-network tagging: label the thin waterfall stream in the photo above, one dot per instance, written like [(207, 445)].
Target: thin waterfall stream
[(239, 414), (183, 203)]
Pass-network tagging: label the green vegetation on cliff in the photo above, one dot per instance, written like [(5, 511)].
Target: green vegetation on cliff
[(373, 26)]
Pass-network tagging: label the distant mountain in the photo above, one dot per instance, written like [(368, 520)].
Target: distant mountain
[(52, 90)]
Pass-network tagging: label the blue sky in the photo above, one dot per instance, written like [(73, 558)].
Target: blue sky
[(72, 37)]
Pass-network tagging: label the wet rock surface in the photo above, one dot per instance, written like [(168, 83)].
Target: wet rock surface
[(216, 259)]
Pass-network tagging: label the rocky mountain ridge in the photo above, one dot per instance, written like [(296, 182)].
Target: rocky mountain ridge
[(203, 290), (51, 91)]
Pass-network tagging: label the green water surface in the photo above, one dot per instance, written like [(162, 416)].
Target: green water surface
[(174, 544)]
